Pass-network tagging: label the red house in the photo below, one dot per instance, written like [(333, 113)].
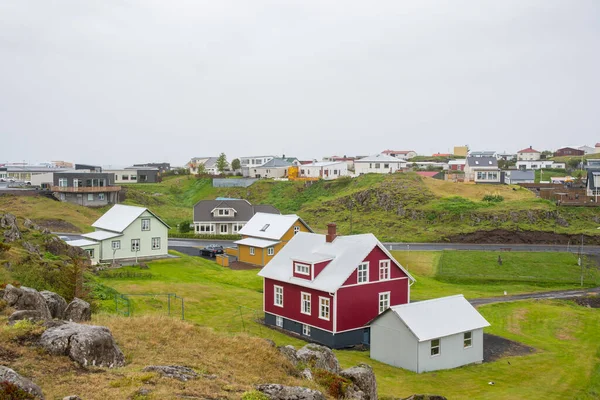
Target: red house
[(328, 287)]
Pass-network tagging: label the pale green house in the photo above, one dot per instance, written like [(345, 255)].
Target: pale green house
[(126, 233)]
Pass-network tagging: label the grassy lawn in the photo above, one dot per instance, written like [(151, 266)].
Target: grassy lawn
[(476, 192), (227, 302)]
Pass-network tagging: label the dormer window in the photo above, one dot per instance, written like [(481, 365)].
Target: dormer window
[(264, 228), (303, 269), (223, 212)]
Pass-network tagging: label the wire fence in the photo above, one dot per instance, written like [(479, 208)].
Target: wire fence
[(128, 304)]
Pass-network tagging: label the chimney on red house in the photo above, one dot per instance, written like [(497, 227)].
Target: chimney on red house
[(331, 233)]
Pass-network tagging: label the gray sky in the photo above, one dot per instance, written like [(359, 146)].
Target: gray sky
[(124, 81)]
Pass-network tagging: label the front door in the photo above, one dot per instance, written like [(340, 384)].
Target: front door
[(223, 229)]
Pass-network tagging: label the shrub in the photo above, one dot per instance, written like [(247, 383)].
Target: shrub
[(10, 391), (4, 247), (254, 395), (184, 227), (336, 385), (493, 198)]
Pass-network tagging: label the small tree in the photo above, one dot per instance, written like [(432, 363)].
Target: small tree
[(235, 164), (200, 169), (573, 163), (546, 154), (184, 227), (222, 163)]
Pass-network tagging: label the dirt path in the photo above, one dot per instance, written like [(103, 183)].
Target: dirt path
[(557, 294)]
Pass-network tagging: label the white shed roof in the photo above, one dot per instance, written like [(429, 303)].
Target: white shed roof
[(436, 318), (82, 242), (120, 217), (269, 226), (101, 235), (380, 158), (345, 252), (260, 243)]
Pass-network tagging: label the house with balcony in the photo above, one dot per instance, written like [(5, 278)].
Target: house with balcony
[(226, 216), (265, 235), (89, 189), (327, 288), (482, 170)]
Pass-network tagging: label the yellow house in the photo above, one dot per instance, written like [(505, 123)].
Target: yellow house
[(461, 151), (265, 234)]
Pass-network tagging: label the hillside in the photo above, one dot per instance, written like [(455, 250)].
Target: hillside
[(398, 207)]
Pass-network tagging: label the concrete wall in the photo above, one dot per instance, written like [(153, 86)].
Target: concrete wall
[(217, 182), (87, 199), (134, 231)]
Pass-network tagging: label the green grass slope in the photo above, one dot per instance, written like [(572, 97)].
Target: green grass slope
[(397, 207)]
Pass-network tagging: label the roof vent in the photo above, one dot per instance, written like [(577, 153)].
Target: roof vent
[(264, 228), (490, 162), (476, 162)]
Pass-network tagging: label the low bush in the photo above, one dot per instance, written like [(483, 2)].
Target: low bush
[(493, 198), (4, 247), (10, 391), (336, 385), (254, 395)]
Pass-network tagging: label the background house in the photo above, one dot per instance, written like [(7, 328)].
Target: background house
[(162, 167), (400, 154), (539, 164), (485, 153), (209, 163), (225, 216), (129, 233), (275, 168), (429, 335), (135, 175), (324, 170), (568, 151), (328, 287), (514, 177), (248, 163), (457, 165), (378, 164), (461, 151), (89, 189), (528, 154), (482, 170), (265, 235)]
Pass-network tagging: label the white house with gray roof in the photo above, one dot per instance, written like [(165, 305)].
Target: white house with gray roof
[(378, 164), (429, 335), (482, 170), (126, 233), (226, 216), (209, 163)]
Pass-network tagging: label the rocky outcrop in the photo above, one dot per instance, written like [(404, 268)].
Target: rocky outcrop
[(56, 304), (32, 248), (178, 372), (321, 357), (281, 392), (363, 377), (25, 298), (8, 375), (289, 352), (31, 315), (87, 345), (78, 311)]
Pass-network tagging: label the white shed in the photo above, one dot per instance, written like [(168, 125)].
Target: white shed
[(429, 335)]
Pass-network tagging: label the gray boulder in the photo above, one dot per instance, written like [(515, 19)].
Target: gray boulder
[(87, 345), (7, 220), (316, 356), (364, 378), (25, 298), (289, 352), (72, 397), (281, 392), (8, 375), (56, 304), (78, 311), (31, 315), (32, 248), (178, 372)]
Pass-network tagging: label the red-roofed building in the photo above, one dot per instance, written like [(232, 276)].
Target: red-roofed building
[(528, 154), (400, 154)]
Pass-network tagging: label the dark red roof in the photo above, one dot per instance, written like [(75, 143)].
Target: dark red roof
[(528, 150)]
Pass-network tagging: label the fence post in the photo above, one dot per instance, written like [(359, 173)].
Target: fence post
[(169, 303)]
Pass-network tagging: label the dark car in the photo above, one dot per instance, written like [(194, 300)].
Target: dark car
[(211, 250)]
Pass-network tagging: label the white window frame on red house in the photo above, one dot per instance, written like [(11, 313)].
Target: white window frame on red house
[(279, 321), (384, 270), (324, 305), (364, 273), (384, 301), (305, 306), (302, 269), (278, 296), (306, 330)]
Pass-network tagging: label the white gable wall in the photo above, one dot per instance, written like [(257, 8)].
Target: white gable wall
[(134, 231), (378, 167), (392, 343)]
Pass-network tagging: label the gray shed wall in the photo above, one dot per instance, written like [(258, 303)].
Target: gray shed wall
[(452, 353), (392, 343)]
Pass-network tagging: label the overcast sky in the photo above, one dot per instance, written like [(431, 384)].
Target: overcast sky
[(124, 81)]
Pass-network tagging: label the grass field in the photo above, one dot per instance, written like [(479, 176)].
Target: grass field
[(476, 192), (563, 366), (49, 212)]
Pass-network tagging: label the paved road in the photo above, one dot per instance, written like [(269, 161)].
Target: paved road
[(557, 294), (179, 243)]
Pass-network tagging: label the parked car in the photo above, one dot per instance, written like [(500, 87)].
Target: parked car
[(211, 250)]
